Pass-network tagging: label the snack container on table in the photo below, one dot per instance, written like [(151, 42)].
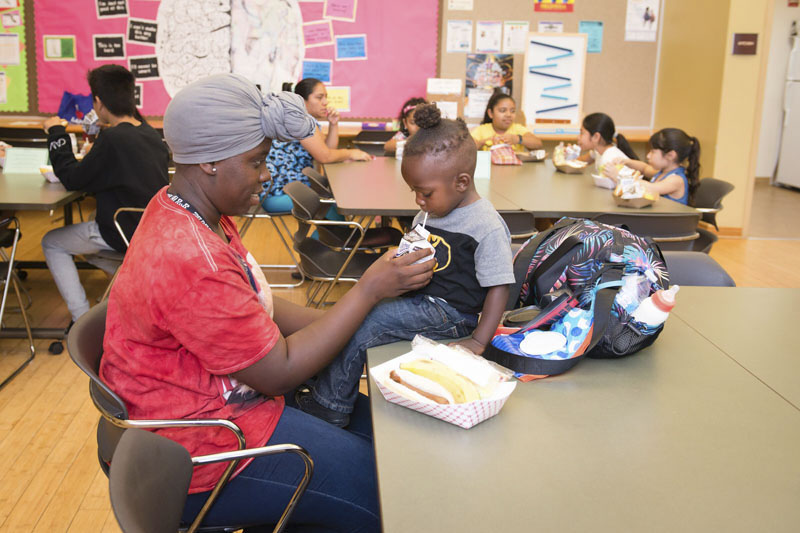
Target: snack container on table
[(532, 156), (464, 415), (634, 202), (603, 181), (569, 169)]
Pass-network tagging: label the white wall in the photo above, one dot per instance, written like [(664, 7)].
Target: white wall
[(772, 113)]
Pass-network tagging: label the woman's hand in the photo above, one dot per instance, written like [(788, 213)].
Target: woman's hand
[(333, 116), (52, 121), (359, 155), (391, 276)]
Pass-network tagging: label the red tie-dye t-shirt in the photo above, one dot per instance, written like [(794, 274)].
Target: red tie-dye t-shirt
[(182, 317)]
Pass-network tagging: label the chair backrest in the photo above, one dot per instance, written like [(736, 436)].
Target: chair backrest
[(319, 183), (130, 213), (148, 482), (696, 269), (372, 141), (670, 231), (521, 224), (306, 202), (85, 346), (709, 195)]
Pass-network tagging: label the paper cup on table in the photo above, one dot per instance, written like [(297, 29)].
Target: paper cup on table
[(464, 415), (48, 174)]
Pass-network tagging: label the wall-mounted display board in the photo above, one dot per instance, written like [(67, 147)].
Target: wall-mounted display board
[(552, 80), (619, 80), (13, 57), (377, 54)]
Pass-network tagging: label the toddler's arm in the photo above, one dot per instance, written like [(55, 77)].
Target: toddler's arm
[(493, 307)]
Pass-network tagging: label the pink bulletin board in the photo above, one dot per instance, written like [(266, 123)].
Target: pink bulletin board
[(79, 18), (402, 39)]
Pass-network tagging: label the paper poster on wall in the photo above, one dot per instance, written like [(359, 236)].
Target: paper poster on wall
[(444, 86), (594, 31), (554, 6), (476, 102), (109, 47), (460, 5), (59, 48), (318, 68), (459, 35), (111, 8), (641, 20), (8, 4), (550, 26), (490, 71), (3, 92), (515, 34), (552, 88), (448, 109), (339, 98), (137, 94), (9, 49), (144, 67), (142, 31), (488, 36), (344, 10), (351, 47), (11, 19), (317, 33)]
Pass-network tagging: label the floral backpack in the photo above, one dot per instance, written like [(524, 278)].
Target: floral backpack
[(571, 275)]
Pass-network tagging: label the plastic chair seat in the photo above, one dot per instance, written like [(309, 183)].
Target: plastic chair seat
[(319, 261), (696, 269), (7, 238), (340, 236)]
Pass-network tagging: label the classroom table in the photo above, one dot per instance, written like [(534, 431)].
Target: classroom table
[(679, 437), (377, 188), (753, 326)]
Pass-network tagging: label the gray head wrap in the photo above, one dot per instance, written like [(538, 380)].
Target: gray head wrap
[(226, 115)]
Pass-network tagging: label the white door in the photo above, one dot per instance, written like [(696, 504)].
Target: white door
[(789, 162)]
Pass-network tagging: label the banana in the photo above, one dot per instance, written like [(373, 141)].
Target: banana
[(462, 389)]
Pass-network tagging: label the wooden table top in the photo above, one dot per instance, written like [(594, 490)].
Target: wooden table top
[(32, 191), (679, 437)]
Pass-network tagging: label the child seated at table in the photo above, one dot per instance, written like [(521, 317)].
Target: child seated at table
[(407, 125), (498, 126), (603, 143), (473, 265)]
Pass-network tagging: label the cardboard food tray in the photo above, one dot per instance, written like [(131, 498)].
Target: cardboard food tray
[(464, 415), (633, 202), (534, 156), (568, 169)]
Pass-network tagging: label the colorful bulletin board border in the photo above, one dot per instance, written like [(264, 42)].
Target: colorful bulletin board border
[(317, 33), (13, 73), (351, 47), (554, 6), (344, 10)]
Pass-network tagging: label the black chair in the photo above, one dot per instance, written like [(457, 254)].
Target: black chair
[(319, 184), (708, 198), (372, 141), (85, 346), (696, 269), (9, 237), (284, 234), (150, 476), (323, 263), (521, 225), (670, 231)]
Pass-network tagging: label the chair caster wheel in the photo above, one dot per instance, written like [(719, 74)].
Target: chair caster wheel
[(22, 274), (56, 347)]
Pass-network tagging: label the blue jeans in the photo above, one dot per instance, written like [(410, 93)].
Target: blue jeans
[(342, 496), (393, 320)]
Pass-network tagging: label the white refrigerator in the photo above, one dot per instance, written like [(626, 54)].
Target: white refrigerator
[(787, 171)]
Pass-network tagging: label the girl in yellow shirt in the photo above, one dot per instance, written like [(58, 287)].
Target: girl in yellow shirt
[(498, 126)]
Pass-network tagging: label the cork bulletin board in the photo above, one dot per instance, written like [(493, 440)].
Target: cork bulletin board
[(619, 81)]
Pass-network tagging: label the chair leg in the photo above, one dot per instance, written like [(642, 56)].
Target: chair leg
[(295, 263), (110, 283), (10, 278)]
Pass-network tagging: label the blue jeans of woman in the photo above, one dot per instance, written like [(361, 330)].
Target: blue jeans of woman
[(342, 496), (390, 321)]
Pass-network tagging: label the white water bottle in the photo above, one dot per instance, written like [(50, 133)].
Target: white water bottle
[(655, 309)]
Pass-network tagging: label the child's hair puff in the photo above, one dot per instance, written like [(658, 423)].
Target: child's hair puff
[(437, 135)]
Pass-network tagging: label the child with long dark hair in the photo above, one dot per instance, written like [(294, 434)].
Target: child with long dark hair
[(604, 144), (407, 125), (669, 149), (498, 126)]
